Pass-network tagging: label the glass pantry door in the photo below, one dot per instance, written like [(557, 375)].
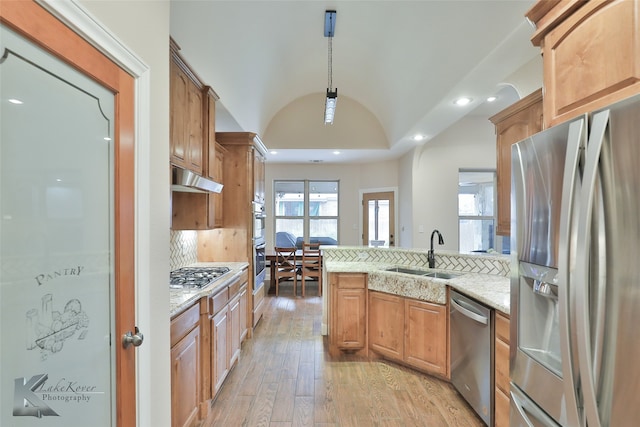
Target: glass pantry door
[(57, 364)]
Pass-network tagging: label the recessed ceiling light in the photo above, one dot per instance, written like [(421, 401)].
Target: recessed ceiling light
[(106, 138), (336, 152), (492, 98), (418, 137), (462, 101), (15, 101), (273, 152)]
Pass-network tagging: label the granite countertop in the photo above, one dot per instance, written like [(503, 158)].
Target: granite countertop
[(492, 290), (181, 299)]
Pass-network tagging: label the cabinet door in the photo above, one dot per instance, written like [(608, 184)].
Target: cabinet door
[(425, 345), (258, 177), (185, 379), (502, 404), (244, 309), (179, 83), (591, 59), (522, 119), (217, 199), (219, 350), (195, 129), (502, 387), (348, 312), (351, 315), (234, 330), (386, 324), (210, 140)]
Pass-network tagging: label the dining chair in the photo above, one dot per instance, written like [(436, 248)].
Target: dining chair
[(286, 267), (311, 266)]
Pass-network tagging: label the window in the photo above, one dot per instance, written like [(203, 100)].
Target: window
[(306, 211), (476, 213)]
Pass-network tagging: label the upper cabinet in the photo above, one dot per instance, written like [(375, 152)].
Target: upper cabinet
[(518, 121), (186, 122), (244, 169), (590, 52), (258, 177), (193, 145), (216, 200)]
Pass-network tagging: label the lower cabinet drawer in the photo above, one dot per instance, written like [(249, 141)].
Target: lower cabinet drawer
[(502, 366), (502, 409)]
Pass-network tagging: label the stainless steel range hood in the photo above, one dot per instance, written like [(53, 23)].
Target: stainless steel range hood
[(186, 181)]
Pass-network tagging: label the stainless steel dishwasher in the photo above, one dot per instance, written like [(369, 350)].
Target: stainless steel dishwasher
[(471, 339)]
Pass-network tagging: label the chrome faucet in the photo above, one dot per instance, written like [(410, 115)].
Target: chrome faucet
[(430, 256)]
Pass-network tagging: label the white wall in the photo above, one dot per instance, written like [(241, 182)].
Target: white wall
[(352, 177), (405, 200), (143, 26), (470, 143)]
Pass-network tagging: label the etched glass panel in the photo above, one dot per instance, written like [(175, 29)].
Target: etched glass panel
[(56, 240)]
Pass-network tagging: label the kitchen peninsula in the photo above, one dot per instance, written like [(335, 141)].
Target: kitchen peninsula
[(381, 302)]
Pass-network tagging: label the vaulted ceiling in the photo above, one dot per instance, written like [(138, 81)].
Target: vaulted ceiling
[(398, 65)]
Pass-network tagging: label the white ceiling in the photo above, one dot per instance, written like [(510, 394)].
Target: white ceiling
[(404, 61)]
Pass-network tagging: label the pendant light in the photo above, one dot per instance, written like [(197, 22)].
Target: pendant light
[(332, 95)]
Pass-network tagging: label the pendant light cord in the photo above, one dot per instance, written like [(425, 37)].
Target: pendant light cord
[(330, 65)]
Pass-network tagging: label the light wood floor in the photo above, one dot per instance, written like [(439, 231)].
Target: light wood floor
[(285, 377)]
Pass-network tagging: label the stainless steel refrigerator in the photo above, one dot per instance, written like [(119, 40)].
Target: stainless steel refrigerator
[(575, 285)]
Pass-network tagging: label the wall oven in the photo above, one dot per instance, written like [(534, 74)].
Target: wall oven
[(259, 258), (259, 246), (259, 219)]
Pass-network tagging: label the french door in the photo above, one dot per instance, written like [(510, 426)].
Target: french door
[(378, 220), (66, 227)]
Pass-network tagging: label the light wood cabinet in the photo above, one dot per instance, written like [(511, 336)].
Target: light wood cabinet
[(513, 124), (409, 331), (348, 311), (426, 333), (193, 146), (258, 177), (216, 200), (590, 52), (386, 324), (234, 330), (186, 115), (185, 367), (234, 241), (502, 388), (219, 349), (226, 314), (244, 307)]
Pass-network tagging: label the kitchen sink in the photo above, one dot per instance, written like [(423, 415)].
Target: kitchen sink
[(407, 271), (440, 275), (433, 274)]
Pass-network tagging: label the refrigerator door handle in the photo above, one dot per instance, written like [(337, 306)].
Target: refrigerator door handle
[(528, 411), (589, 350), (566, 249)]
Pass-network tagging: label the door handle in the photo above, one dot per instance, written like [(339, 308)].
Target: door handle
[(133, 339)]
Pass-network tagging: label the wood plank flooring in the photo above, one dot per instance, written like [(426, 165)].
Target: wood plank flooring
[(286, 377)]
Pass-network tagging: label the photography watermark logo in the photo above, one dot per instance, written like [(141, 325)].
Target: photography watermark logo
[(26, 403), (31, 398)]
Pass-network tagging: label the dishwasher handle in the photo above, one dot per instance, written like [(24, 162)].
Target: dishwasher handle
[(468, 312)]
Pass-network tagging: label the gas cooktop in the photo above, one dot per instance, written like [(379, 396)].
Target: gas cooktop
[(195, 277)]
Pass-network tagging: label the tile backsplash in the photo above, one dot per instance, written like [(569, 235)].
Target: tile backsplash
[(446, 260), (183, 248)]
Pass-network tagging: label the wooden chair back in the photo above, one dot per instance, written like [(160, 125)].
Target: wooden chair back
[(311, 265), (286, 267)]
